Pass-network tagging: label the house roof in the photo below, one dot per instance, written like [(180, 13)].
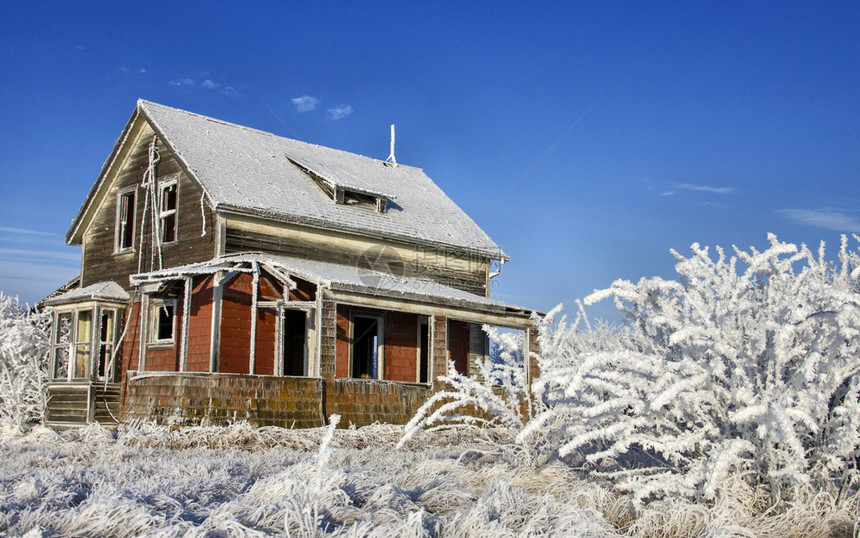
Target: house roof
[(100, 291), (247, 171), (340, 278)]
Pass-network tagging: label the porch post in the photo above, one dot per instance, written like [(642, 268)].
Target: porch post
[(144, 323), (252, 359)]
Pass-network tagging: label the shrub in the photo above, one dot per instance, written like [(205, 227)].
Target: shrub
[(723, 372), (745, 368), (24, 337)]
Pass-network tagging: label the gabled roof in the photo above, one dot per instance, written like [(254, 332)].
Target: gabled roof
[(246, 171)]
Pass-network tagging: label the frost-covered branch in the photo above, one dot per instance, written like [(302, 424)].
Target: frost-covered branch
[(24, 337), (726, 370)]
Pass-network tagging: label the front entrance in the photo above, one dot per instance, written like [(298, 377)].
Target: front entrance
[(294, 343)]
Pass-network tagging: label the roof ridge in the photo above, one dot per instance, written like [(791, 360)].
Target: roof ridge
[(144, 103)]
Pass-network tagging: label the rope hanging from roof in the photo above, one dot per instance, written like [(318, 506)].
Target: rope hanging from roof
[(148, 183)]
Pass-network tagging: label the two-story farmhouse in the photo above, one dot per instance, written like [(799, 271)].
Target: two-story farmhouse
[(231, 274)]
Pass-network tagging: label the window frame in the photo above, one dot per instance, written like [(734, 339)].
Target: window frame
[(57, 345), (121, 225), (74, 343), (155, 307), (164, 184), (108, 344)]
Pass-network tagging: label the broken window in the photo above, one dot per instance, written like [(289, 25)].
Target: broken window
[(107, 336), (350, 197), (367, 346), (62, 341), (125, 212), (163, 318), (167, 210)]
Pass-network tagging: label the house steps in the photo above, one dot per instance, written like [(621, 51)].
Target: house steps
[(72, 406)]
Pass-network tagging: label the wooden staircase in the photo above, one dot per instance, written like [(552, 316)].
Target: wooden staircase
[(77, 404)]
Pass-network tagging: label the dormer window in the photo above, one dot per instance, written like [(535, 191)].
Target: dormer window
[(350, 197), (345, 194)]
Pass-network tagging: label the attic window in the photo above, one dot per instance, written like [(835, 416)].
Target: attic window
[(350, 197)]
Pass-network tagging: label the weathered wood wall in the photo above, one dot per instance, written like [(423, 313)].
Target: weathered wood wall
[(460, 270), (100, 263)]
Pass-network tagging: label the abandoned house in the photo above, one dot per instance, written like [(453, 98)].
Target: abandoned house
[(231, 274)]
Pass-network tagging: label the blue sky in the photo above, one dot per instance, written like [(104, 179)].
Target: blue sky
[(586, 139)]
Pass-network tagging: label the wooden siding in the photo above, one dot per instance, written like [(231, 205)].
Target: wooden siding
[(99, 261), (461, 270)]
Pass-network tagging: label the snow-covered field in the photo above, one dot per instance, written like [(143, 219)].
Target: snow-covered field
[(241, 481), (727, 404)]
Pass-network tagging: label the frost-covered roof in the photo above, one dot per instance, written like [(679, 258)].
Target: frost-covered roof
[(250, 171), (100, 291), (339, 277)]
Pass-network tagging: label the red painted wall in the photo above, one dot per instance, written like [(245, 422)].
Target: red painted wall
[(401, 352)]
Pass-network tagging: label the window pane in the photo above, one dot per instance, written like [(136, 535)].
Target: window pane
[(106, 336), (168, 228), (164, 330), (105, 353), (107, 325), (85, 320), (126, 221), (61, 363), (168, 197), (82, 359), (64, 328)]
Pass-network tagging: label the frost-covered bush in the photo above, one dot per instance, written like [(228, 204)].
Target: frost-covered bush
[(497, 392), (746, 366), (24, 337)]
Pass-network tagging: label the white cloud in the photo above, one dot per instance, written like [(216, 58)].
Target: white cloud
[(182, 82), (209, 84), (832, 219), (21, 231), (305, 103), (123, 69), (339, 112), (230, 91), (707, 188)]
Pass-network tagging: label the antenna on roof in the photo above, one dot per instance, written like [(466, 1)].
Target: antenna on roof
[(391, 158)]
